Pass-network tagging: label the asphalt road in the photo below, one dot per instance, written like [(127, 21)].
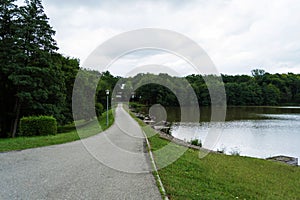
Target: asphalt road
[(110, 165)]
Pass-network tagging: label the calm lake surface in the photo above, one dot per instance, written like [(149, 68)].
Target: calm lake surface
[(251, 131)]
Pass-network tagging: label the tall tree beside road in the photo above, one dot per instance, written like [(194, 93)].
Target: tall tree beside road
[(8, 52), (35, 84)]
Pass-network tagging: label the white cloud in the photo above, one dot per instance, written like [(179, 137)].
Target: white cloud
[(150, 61), (238, 35)]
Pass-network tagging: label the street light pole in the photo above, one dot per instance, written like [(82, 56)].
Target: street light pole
[(107, 93)]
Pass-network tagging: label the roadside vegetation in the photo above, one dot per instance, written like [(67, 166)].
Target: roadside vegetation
[(36, 80), (220, 176), (90, 129)]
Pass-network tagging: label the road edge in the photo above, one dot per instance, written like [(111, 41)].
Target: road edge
[(156, 174), (158, 179)]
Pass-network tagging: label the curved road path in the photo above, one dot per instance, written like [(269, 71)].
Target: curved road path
[(110, 165)]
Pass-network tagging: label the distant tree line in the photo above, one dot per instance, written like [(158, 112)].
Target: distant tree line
[(261, 88)]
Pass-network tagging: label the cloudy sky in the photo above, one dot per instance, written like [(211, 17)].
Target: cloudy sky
[(238, 35)]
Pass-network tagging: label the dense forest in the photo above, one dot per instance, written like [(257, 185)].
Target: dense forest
[(36, 80)]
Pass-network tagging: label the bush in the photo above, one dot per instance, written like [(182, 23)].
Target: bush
[(221, 150), (66, 128), (196, 142), (137, 107), (38, 125), (99, 109)]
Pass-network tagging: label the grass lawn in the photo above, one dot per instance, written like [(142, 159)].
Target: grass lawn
[(20, 143), (219, 176)]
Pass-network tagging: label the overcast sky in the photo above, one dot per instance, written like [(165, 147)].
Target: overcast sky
[(237, 35)]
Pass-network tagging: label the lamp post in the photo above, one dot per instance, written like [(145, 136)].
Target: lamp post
[(107, 93)]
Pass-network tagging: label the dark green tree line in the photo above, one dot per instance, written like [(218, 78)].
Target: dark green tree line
[(261, 88)]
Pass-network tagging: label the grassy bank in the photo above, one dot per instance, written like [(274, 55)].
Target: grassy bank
[(219, 176), (20, 143)]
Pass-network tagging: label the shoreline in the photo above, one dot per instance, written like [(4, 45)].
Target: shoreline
[(289, 160)]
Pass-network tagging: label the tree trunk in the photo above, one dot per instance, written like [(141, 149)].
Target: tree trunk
[(16, 121)]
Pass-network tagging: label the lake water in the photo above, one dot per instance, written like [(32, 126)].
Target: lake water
[(251, 131)]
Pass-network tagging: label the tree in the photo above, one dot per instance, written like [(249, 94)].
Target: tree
[(258, 72), (8, 52), (69, 69), (34, 79), (259, 75), (35, 82), (271, 94), (106, 82), (83, 94)]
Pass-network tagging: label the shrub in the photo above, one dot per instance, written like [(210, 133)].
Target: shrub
[(221, 151), (66, 128), (38, 125), (134, 105), (196, 142), (137, 107), (99, 109)]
